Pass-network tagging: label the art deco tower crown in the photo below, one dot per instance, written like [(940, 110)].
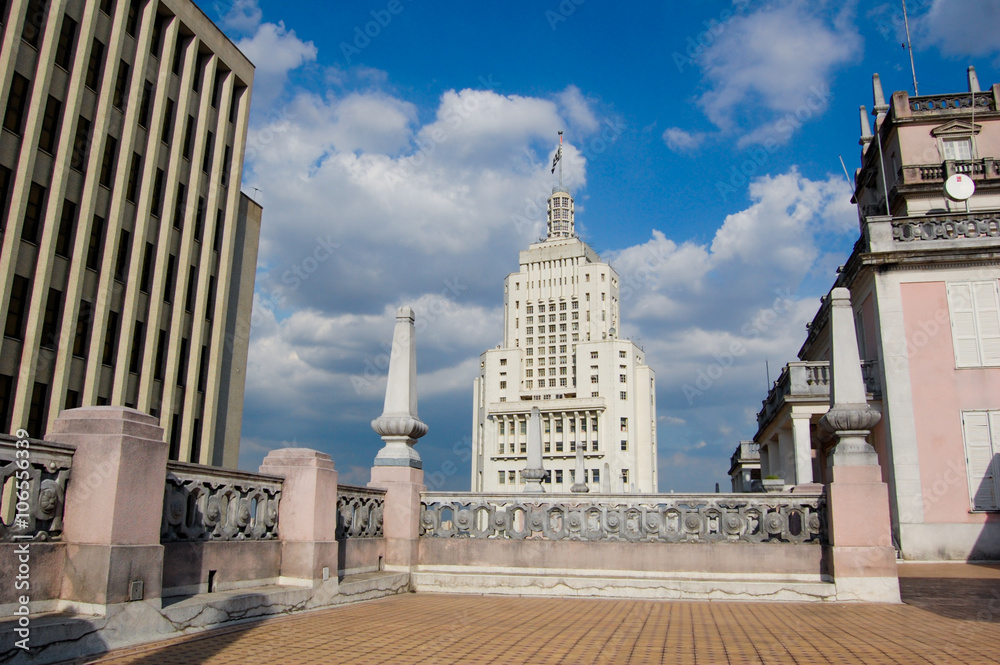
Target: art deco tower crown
[(561, 223)]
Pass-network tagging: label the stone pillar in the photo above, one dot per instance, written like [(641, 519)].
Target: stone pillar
[(802, 441), (398, 468), (578, 485), (786, 455), (765, 459), (534, 472), (307, 513), (860, 553), (114, 505)]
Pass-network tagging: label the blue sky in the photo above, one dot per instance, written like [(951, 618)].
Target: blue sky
[(398, 148)]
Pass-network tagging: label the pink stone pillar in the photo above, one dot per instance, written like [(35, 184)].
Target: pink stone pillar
[(114, 504), (401, 515), (860, 554), (307, 512)]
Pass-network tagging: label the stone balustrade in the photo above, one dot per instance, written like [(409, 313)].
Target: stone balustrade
[(208, 503), (359, 512), (954, 102), (714, 518), (945, 227), (810, 379), (46, 468)]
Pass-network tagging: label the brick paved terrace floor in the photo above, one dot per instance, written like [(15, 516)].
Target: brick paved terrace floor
[(950, 614)]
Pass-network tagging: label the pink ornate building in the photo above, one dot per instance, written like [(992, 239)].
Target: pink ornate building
[(924, 278)]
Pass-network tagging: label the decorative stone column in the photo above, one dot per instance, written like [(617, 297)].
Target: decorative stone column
[(398, 468), (307, 517), (534, 472), (579, 486), (802, 442), (786, 452), (114, 505), (860, 553)]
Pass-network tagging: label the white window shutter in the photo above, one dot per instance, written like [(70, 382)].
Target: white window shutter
[(979, 458), (963, 325), (984, 296)]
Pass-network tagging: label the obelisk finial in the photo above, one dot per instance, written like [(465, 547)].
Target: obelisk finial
[(849, 418), (399, 425), (534, 472)]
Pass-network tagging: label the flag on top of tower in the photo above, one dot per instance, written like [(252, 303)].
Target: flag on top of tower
[(558, 155)]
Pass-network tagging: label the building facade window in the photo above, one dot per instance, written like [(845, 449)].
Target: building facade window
[(981, 430), (975, 323)]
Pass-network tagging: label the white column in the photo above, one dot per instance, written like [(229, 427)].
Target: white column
[(786, 452), (765, 460), (802, 442)]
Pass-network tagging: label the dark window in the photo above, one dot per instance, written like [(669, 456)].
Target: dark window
[(107, 6), (157, 204), (168, 292), (72, 399), (217, 240), (34, 24), (196, 442), (33, 213), (199, 224), (168, 122), (179, 207), (81, 340), (110, 340), (38, 409), (234, 104), (50, 322), (6, 400), (50, 125), (203, 369), (188, 136), (199, 69), (94, 249), (210, 305), (67, 229), (132, 191), (108, 163), (95, 64), (138, 337), (81, 144), (147, 98), (4, 192), (161, 344), (182, 363), (17, 308), (189, 296), (133, 17), (175, 437), (67, 40), (175, 66), (14, 115), (147, 267), (206, 160), (226, 159), (121, 261), (121, 85), (157, 41), (217, 89)]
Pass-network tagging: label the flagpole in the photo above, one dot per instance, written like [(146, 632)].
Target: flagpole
[(560, 159)]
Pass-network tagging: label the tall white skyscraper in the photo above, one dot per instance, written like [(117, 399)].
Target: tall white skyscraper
[(561, 353)]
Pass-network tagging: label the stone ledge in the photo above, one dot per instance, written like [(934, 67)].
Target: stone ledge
[(622, 587)]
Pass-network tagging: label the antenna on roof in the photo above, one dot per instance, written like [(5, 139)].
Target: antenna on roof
[(909, 47)]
